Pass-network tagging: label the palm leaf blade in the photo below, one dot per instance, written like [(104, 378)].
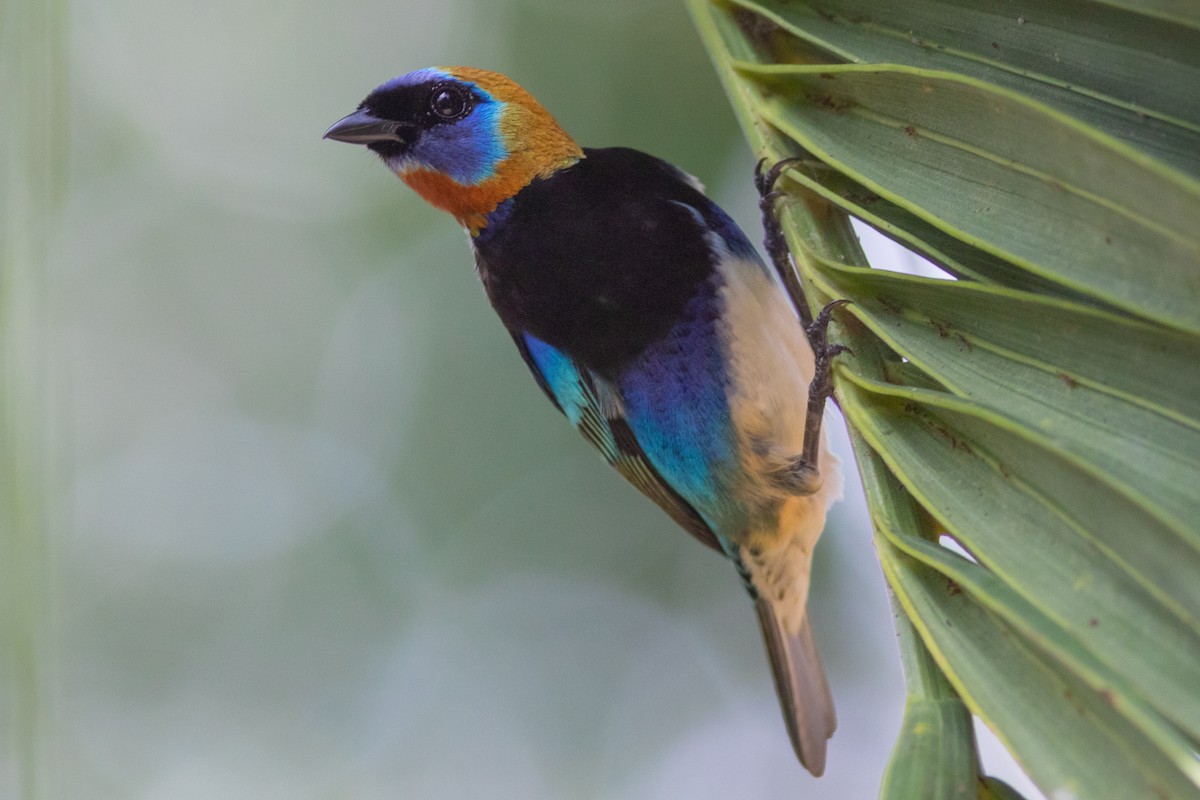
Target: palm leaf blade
[(1041, 415)]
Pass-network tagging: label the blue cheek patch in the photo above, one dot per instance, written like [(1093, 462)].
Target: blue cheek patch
[(676, 404), (469, 150)]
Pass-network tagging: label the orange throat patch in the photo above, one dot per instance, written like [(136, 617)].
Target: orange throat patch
[(469, 204)]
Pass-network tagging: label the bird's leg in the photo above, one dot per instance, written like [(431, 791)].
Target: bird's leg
[(821, 387), (802, 474), (773, 238)]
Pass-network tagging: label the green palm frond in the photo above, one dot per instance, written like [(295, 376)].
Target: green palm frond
[(1040, 414)]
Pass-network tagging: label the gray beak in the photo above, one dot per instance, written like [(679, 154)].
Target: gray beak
[(363, 127)]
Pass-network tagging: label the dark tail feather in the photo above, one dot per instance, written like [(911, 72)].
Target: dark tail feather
[(800, 683)]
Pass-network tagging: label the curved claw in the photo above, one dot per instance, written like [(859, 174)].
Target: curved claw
[(836, 350), (832, 304), (816, 330), (759, 176), (765, 182)]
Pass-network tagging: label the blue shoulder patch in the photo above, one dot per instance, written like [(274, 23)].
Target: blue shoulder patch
[(559, 376)]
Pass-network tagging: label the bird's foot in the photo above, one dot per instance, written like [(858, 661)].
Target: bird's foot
[(805, 468), (823, 352)]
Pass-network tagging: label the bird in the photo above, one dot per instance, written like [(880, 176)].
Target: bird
[(651, 323)]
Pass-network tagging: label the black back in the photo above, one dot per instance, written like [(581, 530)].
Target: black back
[(599, 259)]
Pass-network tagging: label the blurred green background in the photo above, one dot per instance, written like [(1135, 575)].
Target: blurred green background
[(325, 537)]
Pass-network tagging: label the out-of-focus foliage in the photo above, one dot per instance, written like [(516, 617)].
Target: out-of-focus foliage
[(1029, 435)]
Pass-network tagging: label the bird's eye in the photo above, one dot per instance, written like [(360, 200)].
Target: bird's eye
[(448, 102)]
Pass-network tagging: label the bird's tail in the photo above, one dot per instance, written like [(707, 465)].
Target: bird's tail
[(800, 682)]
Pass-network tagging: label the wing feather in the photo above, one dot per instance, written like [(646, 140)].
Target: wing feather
[(583, 398)]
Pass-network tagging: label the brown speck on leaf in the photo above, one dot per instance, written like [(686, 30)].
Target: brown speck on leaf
[(861, 198), (757, 28), (1093, 623), (1003, 469), (1070, 698), (966, 342), (829, 76), (910, 407), (942, 330), (1107, 239), (996, 45), (1068, 380), (952, 587), (889, 306), (910, 130), (831, 102), (1107, 696), (940, 431)]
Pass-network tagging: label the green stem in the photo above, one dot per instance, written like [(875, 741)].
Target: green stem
[(33, 79)]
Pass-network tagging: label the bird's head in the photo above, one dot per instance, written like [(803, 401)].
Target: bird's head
[(465, 139)]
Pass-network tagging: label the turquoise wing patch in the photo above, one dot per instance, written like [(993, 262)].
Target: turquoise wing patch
[(575, 392)]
